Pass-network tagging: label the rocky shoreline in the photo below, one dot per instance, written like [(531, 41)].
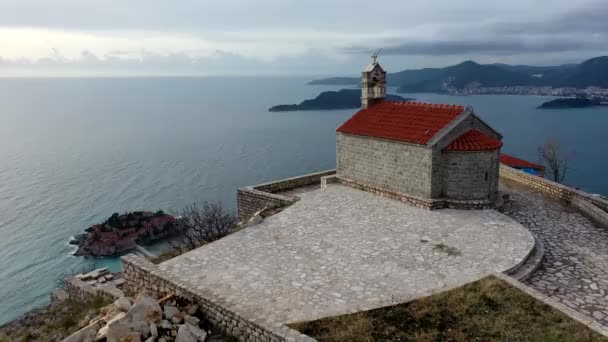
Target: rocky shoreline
[(120, 234)]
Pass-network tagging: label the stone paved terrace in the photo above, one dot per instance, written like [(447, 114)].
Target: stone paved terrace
[(341, 250), (575, 268)]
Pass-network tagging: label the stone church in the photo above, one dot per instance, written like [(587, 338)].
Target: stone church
[(431, 155)]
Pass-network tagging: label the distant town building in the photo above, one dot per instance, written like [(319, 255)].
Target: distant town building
[(524, 165), (417, 150)]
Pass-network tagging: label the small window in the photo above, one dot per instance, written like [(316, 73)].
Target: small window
[(486, 175)]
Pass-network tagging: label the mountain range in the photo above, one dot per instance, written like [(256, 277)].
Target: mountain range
[(327, 100), (593, 72)]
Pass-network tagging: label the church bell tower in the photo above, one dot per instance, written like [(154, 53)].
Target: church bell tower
[(373, 83)]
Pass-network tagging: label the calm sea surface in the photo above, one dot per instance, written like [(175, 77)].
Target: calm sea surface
[(73, 151)]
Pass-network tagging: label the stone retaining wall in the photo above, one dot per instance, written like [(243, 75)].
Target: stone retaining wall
[(251, 199), (81, 291), (594, 206), (141, 275)]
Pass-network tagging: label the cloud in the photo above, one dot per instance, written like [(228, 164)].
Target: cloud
[(487, 46), (294, 37), (142, 63), (559, 29)]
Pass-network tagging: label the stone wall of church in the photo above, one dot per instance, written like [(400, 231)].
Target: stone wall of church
[(471, 122), (390, 165), (470, 175)]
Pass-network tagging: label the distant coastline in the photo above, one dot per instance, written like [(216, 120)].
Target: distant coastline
[(587, 79), (330, 100)]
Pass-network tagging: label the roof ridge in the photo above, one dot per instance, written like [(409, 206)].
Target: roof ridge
[(474, 140), (407, 121), (426, 104)]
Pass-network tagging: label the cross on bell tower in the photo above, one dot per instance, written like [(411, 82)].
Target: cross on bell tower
[(373, 83), (375, 57)]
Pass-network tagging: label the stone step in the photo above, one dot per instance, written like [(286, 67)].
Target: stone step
[(531, 264)]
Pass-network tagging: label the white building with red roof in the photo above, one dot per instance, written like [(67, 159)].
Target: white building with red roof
[(431, 155)]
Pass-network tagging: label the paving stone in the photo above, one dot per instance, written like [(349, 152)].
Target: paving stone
[(575, 264), (340, 249)]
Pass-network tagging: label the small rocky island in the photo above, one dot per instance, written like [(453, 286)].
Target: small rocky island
[(571, 102), (328, 100), (120, 234)]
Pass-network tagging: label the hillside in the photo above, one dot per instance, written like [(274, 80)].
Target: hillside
[(577, 102), (466, 74), (342, 99), (593, 72)]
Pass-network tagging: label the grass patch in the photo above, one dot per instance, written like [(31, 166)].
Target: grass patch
[(486, 310), (53, 322)]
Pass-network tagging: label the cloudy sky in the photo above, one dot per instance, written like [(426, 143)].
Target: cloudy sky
[(290, 37)]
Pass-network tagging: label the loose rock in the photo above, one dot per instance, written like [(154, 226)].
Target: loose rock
[(153, 330), (146, 309), (192, 320), (185, 335), (197, 332), (170, 311), (123, 304)]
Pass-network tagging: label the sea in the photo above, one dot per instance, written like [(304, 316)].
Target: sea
[(74, 151)]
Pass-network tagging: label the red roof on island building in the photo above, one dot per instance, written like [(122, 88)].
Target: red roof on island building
[(519, 163), (405, 121)]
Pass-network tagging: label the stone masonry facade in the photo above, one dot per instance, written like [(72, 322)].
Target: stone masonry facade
[(468, 175), (394, 166), (440, 163), (422, 172)]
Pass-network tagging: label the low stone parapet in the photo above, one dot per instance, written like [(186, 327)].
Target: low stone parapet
[(141, 275), (591, 210), (549, 187), (251, 199), (593, 206)]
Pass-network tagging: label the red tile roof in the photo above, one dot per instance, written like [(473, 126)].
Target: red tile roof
[(406, 121), (519, 163), (474, 140)]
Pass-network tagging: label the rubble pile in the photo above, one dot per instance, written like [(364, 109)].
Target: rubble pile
[(146, 319)]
